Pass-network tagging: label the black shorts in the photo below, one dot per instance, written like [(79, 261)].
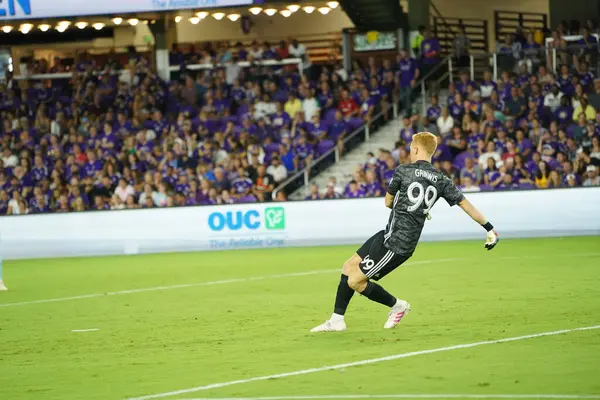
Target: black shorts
[(378, 261)]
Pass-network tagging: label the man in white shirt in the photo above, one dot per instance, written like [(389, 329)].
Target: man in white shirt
[(298, 50), (232, 71), (593, 179), (277, 170), (552, 99), (124, 190), (264, 107), (10, 160), (490, 153), (148, 192), (310, 106), (256, 51)]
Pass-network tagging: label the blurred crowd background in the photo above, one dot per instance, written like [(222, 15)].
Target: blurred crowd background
[(101, 139)]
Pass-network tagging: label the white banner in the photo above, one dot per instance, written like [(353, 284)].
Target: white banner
[(28, 9), (562, 212)]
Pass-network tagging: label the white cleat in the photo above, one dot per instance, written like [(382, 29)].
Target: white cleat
[(330, 326), (2, 286), (396, 314)]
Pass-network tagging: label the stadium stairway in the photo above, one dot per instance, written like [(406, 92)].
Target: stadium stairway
[(342, 171)]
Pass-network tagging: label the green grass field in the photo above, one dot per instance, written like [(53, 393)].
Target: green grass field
[(209, 318)]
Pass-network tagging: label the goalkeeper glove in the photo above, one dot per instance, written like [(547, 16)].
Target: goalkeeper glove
[(492, 236)]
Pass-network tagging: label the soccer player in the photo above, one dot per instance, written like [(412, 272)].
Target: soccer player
[(411, 194)]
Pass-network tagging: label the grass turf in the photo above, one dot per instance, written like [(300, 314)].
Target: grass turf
[(175, 338)]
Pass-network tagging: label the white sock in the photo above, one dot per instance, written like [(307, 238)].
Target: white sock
[(336, 317)]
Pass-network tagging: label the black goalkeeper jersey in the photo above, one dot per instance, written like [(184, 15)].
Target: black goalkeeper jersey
[(415, 187)]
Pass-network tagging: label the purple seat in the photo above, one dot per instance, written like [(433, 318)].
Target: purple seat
[(485, 188), (459, 160), (324, 146), (355, 123), (243, 109), (526, 186), (330, 116)]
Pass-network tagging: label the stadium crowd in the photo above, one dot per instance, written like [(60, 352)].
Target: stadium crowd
[(103, 140), (531, 129)]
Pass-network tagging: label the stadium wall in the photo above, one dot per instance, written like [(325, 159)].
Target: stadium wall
[(485, 10), (560, 212)]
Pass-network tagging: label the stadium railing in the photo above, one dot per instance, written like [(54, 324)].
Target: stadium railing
[(332, 156), (363, 133), (548, 55), (173, 68)]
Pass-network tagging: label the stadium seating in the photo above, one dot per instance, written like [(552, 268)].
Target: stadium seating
[(559, 141), (98, 139)]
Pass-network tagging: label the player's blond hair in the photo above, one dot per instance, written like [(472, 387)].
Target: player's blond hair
[(426, 141)]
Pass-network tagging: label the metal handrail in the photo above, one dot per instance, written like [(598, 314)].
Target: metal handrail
[(422, 82), (172, 68), (364, 127), (335, 149)]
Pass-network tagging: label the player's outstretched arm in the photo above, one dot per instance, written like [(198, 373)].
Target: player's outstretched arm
[(492, 235)]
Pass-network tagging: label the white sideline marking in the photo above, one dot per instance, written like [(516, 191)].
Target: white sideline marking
[(358, 363), (85, 330), (414, 396), (260, 278), (198, 284)]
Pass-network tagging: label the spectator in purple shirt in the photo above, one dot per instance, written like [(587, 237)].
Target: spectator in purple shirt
[(430, 52), (408, 73), (302, 152), (314, 193), (372, 188), (434, 111), (242, 185), (354, 192)]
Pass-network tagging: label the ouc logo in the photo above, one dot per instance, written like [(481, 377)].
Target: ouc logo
[(273, 219)]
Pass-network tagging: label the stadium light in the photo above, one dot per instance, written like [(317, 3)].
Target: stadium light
[(234, 17), (133, 21), (145, 21), (202, 14), (293, 7), (309, 9), (61, 28), (332, 4), (64, 23), (117, 20), (81, 24), (218, 16), (98, 26), (324, 10), (270, 12), (178, 19), (44, 27), (195, 20), (255, 10), (7, 28), (285, 13), (25, 28)]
